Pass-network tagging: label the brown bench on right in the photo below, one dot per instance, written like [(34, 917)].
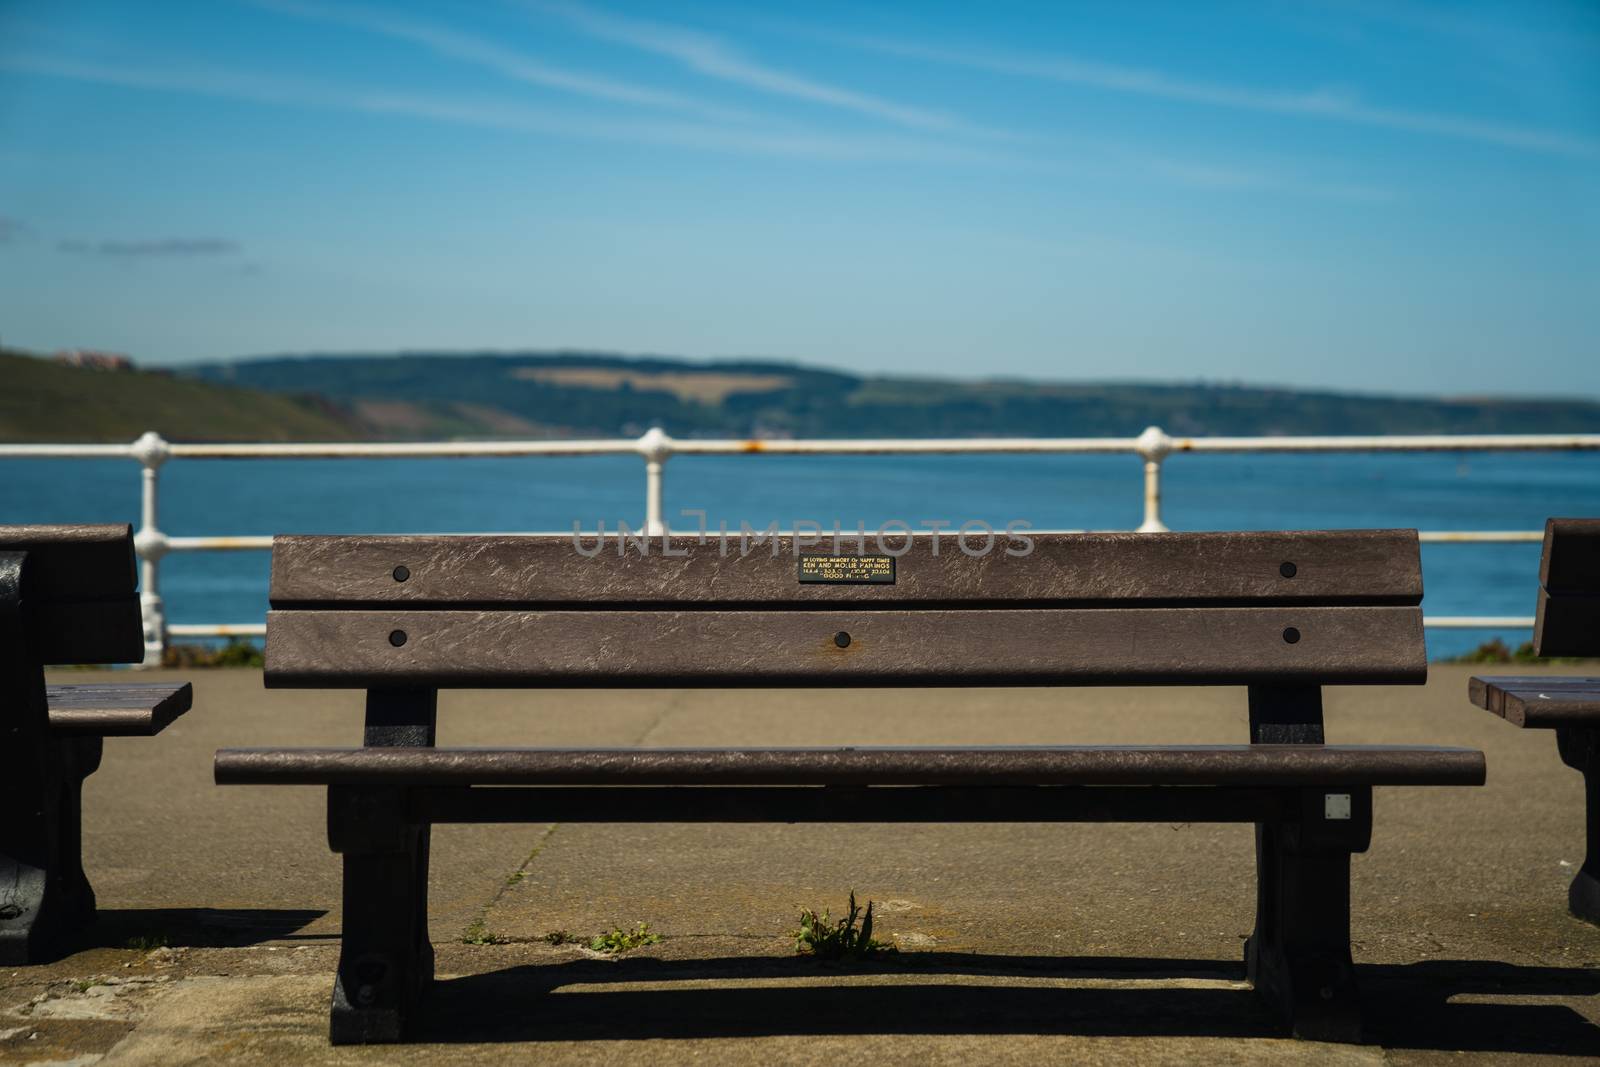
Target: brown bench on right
[(1567, 624)]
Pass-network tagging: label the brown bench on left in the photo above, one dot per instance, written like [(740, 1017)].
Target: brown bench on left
[(68, 594)]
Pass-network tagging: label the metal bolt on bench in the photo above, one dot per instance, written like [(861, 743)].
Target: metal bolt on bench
[(1281, 614)]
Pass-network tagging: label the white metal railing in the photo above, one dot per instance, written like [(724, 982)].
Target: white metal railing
[(1152, 446)]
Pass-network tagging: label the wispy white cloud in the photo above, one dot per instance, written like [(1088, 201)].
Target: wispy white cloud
[(1551, 25), (1325, 104), (164, 246), (715, 58), (491, 113), (1233, 178), (1101, 161), (507, 62)]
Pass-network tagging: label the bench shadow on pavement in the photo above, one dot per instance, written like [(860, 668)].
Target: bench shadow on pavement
[(1406, 1006), (199, 927)]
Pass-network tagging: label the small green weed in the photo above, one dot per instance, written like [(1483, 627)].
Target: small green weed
[(561, 937), (620, 940), (237, 652), (478, 934), (146, 942), (1497, 651), (828, 940)]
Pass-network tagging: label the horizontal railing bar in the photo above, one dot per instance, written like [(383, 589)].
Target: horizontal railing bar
[(249, 542), (1562, 442), (904, 446), (1442, 622), (840, 446), (218, 544), (402, 449), (1478, 622), (54, 451), (1462, 537), (217, 629)]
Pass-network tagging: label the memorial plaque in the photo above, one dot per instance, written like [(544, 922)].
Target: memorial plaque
[(848, 570)]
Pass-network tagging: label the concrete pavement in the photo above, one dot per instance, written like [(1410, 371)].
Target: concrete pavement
[(1101, 943)]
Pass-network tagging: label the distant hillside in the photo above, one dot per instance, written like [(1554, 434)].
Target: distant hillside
[(41, 400), (565, 394)]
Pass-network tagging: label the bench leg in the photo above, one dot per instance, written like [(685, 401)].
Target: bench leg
[(385, 958), (45, 897), (1298, 958), (1580, 749)]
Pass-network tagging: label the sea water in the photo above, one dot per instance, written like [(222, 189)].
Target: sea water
[(1429, 491)]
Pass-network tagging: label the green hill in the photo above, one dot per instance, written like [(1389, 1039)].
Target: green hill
[(427, 396), (577, 394), (41, 400)]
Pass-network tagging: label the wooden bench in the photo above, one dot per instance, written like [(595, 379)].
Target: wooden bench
[(1566, 623), (1279, 613), (67, 595)]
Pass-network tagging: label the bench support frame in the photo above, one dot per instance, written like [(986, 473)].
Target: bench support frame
[(1298, 957), (44, 894), (1580, 749), (385, 955)]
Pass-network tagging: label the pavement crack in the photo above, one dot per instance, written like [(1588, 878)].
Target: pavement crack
[(477, 931), (661, 716)]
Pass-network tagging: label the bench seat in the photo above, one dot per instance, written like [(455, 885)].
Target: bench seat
[(131, 709), (1261, 766), (1539, 701)]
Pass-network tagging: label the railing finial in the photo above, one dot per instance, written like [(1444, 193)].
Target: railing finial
[(1153, 445), (150, 449), (655, 446)]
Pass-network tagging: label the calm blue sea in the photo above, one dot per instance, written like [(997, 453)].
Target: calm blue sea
[(1431, 492)]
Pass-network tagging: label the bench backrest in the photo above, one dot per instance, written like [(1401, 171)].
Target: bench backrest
[(1567, 622), (79, 600), (1298, 608)]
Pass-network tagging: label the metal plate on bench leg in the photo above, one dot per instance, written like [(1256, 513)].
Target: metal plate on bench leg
[(385, 957), (1580, 749), (1298, 958)]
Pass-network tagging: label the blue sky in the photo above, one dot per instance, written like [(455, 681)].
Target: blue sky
[(1377, 196)]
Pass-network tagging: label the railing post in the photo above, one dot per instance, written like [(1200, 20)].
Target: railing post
[(655, 446), (151, 450), (1153, 445)]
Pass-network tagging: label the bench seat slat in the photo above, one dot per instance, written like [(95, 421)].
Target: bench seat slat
[(132, 709), (1328, 567), (1536, 702), (619, 649), (1213, 765)]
